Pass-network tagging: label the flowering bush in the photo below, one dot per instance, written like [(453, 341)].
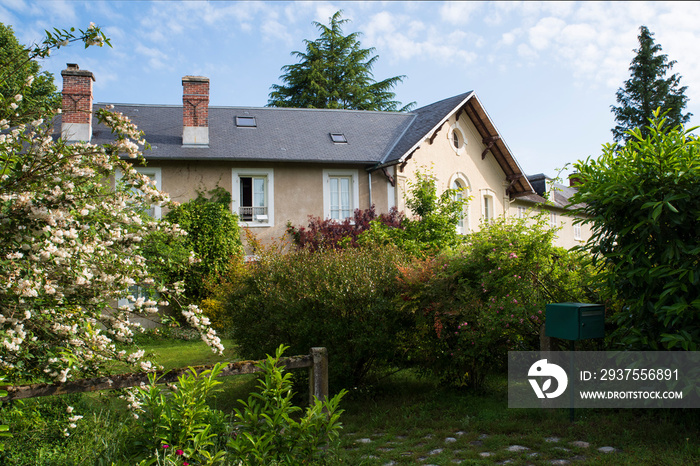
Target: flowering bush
[(70, 242), (476, 303)]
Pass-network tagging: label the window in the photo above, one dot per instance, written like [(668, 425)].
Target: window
[(552, 219), (522, 212), (252, 196), (339, 138), (155, 175), (487, 205), (460, 183), (577, 231), (341, 193), (246, 122), (457, 139)]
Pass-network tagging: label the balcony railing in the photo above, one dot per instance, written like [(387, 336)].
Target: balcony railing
[(250, 213)]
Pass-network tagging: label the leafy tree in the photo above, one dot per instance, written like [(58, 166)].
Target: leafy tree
[(335, 72), (213, 235), (20, 65), (643, 201), (434, 223), (649, 89), (71, 240)]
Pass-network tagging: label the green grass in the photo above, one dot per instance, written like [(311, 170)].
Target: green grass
[(406, 419)]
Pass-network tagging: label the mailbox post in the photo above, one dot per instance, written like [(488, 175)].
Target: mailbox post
[(573, 322)]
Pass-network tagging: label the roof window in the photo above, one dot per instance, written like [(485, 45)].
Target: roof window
[(246, 122), (338, 138)]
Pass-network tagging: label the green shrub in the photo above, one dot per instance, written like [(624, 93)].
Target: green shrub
[(266, 432), (177, 422), (433, 226), (340, 299), (643, 203), (212, 233), (474, 304)]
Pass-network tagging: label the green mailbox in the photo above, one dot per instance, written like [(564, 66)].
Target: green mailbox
[(575, 321)]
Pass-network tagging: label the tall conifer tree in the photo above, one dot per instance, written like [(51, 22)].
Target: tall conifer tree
[(647, 89), (335, 72)]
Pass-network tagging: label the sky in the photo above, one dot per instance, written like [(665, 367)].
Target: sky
[(546, 72)]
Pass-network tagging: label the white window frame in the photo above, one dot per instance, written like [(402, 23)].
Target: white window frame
[(522, 212), (456, 127), (488, 198), (157, 174), (258, 220), (460, 178), (553, 219), (354, 190), (577, 232)]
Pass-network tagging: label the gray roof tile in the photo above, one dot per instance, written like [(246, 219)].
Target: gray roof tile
[(282, 134)]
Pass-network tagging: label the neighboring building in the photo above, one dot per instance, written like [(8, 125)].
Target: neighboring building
[(552, 198), (283, 165)]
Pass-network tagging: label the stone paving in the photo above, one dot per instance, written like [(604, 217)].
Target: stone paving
[(571, 452)]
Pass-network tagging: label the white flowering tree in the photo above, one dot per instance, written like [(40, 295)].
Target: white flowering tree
[(70, 241)]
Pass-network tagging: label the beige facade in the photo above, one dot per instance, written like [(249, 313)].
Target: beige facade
[(460, 165)]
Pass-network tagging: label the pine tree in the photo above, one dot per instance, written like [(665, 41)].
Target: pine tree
[(649, 89), (335, 72)]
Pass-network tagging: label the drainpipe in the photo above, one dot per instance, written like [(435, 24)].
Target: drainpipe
[(369, 178)]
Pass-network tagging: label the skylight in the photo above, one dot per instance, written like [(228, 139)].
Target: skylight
[(338, 138), (246, 122)]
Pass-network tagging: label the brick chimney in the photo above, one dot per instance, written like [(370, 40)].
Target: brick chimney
[(195, 111), (574, 180), (76, 122)]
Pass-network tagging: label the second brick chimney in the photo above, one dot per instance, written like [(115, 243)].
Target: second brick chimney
[(195, 111), (76, 122)]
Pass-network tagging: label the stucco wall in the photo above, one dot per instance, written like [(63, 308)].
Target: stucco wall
[(298, 188), (446, 162)]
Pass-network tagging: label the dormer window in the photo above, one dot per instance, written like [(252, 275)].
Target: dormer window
[(246, 122), (338, 138)]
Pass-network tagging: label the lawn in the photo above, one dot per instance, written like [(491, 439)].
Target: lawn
[(402, 420)]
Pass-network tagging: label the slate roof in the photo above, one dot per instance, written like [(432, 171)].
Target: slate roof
[(375, 139), (562, 193), (281, 135)]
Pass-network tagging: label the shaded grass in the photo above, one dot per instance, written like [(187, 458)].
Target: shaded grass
[(409, 419), (405, 419)]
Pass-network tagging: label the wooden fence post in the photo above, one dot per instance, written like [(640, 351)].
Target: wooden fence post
[(318, 375), (545, 341)]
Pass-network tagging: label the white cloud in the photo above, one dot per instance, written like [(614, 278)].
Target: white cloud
[(546, 31), (459, 12)]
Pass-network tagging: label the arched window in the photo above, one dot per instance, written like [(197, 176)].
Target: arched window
[(460, 184)]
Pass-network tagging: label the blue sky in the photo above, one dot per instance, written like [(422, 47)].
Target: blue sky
[(546, 72)]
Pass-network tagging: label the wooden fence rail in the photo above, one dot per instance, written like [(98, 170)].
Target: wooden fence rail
[(316, 361)]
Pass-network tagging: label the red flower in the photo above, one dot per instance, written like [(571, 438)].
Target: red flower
[(179, 452)]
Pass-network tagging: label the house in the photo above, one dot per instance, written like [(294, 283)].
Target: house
[(553, 198), (283, 165)]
